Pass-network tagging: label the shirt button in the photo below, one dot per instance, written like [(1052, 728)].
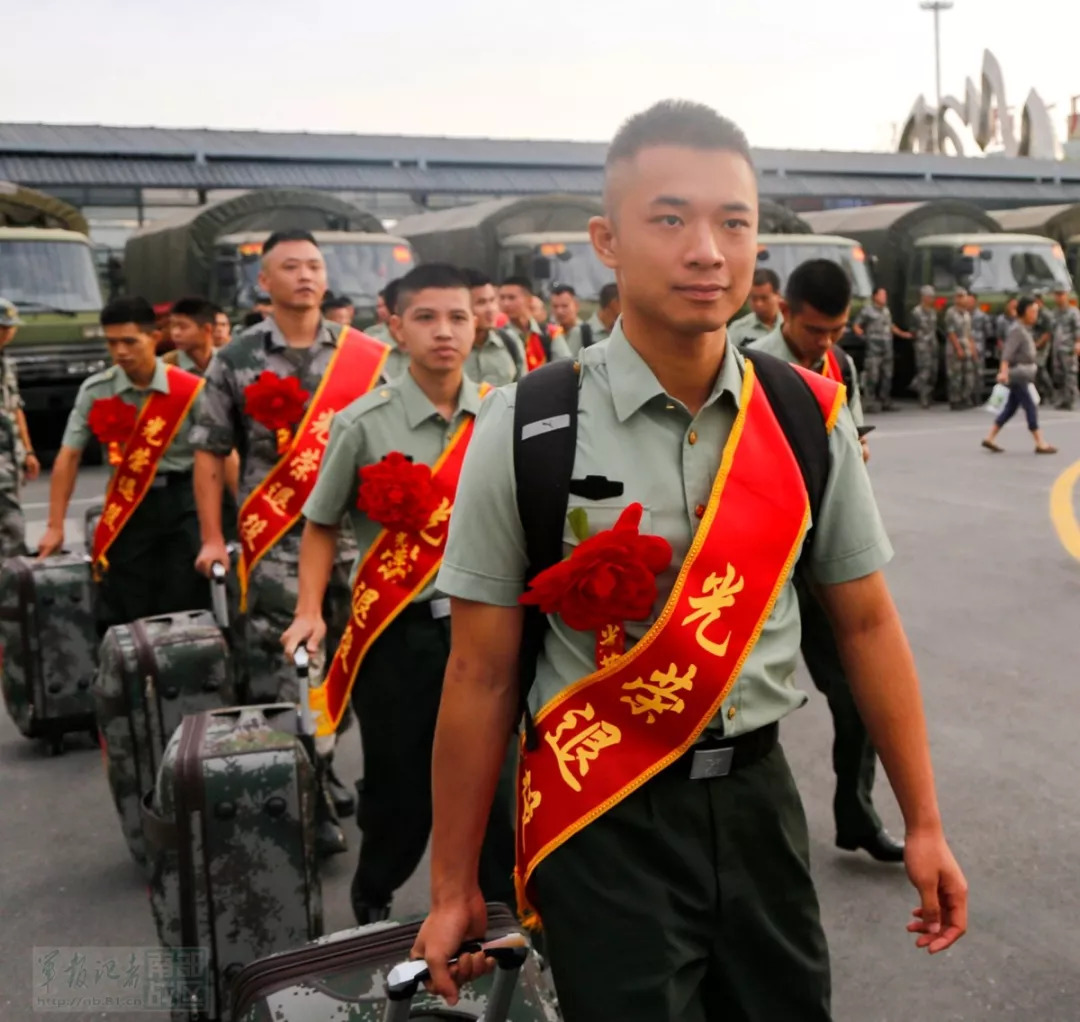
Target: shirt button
[(699, 511), (692, 438), (731, 713)]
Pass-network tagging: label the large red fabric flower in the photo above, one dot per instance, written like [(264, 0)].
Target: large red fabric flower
[(609, 577), (112, 419), (396, 493), (275, 402)]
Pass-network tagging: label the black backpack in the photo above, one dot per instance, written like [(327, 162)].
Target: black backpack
[(545, 444), (510, 342), (586, 336)]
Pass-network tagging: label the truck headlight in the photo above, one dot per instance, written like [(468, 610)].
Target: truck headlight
[(92, 331)]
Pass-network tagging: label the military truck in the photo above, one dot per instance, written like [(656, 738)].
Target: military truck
[(1062, 223), (47, 270), (544, 238), (947, 244), (214, 250)]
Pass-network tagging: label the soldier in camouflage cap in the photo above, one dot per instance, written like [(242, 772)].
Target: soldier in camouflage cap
[(1066, 320), (1044, 341), (982, 335), (17, 458), (927, 359), (875, 323), (960, 353)]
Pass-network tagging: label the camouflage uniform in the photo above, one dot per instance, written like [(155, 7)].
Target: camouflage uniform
[(220, 427), (877, 327), (1044, 381), (959, 371), (1066, 333), (925, 342), (982, 329), (12, 457)]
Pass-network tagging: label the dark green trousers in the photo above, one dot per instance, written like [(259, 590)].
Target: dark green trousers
[(853, 754), (689, 901), (152, 563), (396, 699)]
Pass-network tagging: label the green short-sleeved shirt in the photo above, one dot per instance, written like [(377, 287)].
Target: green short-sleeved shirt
[(631, 431), (381, 332), (774, 344), (599, 331), (114, 381), (559, 347), (750, 328), (396, 417), (491, 361)]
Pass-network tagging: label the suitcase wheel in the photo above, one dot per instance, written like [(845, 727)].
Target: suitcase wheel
[(56, 745)]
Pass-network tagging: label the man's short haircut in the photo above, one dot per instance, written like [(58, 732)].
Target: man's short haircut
[(441, 276), (821, 284), (766, 276), (333, 301), (218, 310), (278, 237), (1023, 305), (609, 293), (130, 310), (476, 278), (196, 309), (564, 289), (523, 282), (390, 294), (252, 318)]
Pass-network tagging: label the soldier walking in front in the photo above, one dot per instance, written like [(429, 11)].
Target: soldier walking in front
[(874, 322), (1066, 321), (959, 353), (924, 331)]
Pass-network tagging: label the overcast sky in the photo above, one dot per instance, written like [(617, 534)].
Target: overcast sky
[(835, 74)]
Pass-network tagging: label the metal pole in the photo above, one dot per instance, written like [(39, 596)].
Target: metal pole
[(937, 6)]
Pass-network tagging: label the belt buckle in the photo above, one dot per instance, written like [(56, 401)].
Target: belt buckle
[(708, 763), (440, 607)]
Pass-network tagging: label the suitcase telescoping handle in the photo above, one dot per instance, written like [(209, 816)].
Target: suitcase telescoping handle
[(218, 597), (302, 660), (509, 954)]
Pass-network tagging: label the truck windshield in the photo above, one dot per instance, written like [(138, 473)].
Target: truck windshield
[(782, 259), (577, 265), (49, 275), (1019, 267)]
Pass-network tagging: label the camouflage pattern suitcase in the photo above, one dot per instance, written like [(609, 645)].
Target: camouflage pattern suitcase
[(230, 838), (49, 642), (152, 673), (346, 976)]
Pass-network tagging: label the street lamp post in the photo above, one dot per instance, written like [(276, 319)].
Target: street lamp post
[(937, 6)]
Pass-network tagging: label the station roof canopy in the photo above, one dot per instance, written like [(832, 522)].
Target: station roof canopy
[(44, 155)]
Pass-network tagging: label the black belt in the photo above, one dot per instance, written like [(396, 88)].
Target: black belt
[(429, 610), (168, 479), (726, 755)]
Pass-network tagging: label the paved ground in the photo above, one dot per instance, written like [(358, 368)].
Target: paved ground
[(990, 600)]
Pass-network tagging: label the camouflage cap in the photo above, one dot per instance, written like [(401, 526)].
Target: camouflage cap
[(961, 292), (927, 291), (9, 315), (1061, 289)]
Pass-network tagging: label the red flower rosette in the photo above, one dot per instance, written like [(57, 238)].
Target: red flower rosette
[(277, 403), (112, 421), (397, 493), (608, 578)]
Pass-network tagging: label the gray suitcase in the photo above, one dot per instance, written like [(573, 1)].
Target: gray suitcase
[(49, 641)]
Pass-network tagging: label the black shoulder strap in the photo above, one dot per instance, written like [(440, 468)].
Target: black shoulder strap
[(586, 336), (545, 442), (799, 414), (847, 371), (545, 343), (511, 344)]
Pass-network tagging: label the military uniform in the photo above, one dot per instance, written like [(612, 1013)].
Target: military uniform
[(221, 427), (1066, 324), (599, 331), (982, 329), (687, 899), (960, 372), (1044, 380), (750, 328), (876, 325), (559, 347), (399, 683), (12, 460), (152, 561), (497, 359), (381, 332), (925, 343)]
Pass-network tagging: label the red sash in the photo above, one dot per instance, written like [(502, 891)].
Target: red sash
[(612, 731), (275, 505), (535, 355), (155, 429), (830, 367)]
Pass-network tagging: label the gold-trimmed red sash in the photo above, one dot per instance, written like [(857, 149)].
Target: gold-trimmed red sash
[(609, 733), (396, 568), (535, 355), (159, 420), (275, 505), (830, 367)]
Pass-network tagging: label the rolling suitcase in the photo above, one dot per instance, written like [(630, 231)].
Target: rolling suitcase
[(360, 975), (230, 838), (49, 642), (152, 673)]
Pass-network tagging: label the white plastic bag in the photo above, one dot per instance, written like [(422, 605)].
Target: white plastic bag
[(998, 396), (1034, 392)]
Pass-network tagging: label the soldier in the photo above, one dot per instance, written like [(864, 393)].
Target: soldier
[(398, 359), (764, 315), (982, 334), (515, 300), (380, 328), (17, 457), (148, 534), (670, 875), (424, 418), (271, 396), (1066, 326), (495, 357), (339, 309), (959, 353), (874, 322), (222, 327), (191, 328), (607, 313), (564, 307), (1044, 335), (927, 358)]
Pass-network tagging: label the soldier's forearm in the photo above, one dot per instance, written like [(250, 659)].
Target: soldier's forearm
[(24, 429), (62, 484), (209, 483), (318, 548), (232, 474)]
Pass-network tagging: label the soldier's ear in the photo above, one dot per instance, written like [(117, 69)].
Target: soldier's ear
[(785, 309)]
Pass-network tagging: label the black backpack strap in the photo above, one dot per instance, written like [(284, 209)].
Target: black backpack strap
[(545, 443), (799, 414), (847, 371), (512, 346), (586, 336), (545, 343)]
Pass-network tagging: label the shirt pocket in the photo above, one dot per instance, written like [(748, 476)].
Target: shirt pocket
[(600, 515)]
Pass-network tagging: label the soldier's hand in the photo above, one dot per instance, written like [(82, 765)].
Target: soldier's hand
[(32, 467), (52, 541), (865, 449), (447, 927), (941, 919), (309, 629), (211, 554)]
